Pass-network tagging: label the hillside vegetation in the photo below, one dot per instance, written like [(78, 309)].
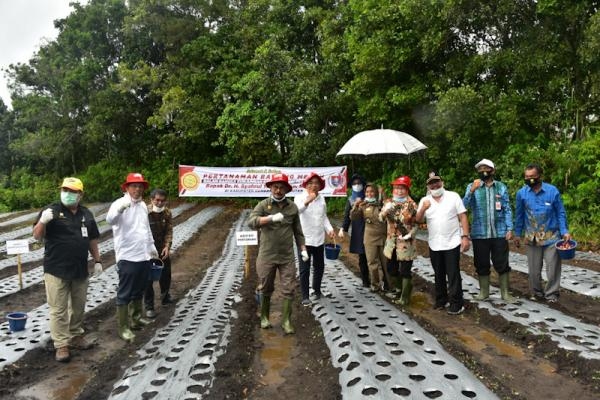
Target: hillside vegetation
[(149, 84)]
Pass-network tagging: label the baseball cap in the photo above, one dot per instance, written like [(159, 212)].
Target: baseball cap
[(433, 176), (72, 183), (485, 162)]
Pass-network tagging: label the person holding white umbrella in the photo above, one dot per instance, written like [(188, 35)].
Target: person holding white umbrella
[(358, 228)]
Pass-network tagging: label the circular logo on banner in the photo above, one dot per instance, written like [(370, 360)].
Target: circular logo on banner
[(190, 181)]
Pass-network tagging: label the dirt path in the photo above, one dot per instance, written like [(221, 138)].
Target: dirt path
[(265, 364)]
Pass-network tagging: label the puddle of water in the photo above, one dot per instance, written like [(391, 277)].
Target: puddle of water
[(419, 302), (502, 347), (63, 388), (276, 354)]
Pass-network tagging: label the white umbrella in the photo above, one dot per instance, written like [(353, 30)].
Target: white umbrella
[(380, 142)]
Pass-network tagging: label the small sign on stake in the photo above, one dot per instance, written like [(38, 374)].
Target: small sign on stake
[(246, 238), (18, 247)]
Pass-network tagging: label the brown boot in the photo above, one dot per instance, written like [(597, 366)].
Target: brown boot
[(80, 343), (62, 354)]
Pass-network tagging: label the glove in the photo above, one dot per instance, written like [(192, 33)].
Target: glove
[(407, 236), (47, 216), (304, 254), (277, 217), (341, 233), (97, 269), (122, 204), (388, 206)]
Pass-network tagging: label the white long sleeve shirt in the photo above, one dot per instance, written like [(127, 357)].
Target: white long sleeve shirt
[(313, 219), (132, 236)]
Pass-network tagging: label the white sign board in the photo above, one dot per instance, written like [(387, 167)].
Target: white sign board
[(198, 181), (17, 246), (246, 238)]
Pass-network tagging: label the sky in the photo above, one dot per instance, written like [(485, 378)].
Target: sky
[(24, 26)]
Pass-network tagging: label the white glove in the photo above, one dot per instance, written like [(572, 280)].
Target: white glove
[(341, 233), (153, 252), (388, 206), (97, 269), (122, 204), (407, 236), (277, 217), (304, 254), (47, 216)]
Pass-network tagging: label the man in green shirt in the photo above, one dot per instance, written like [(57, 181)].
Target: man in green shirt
[(279, 223)]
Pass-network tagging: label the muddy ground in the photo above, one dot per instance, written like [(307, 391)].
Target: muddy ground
[(265, 364)]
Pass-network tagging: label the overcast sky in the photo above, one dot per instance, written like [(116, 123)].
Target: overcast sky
[(24, 25)]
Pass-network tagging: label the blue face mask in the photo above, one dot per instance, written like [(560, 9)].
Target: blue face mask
[(399, 199), (370, 199)]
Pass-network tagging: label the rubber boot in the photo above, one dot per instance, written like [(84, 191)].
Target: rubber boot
[(123, 323), (484, 288), (504, 289), (406, 291), (265, 306), (286, 314), (135, 312)]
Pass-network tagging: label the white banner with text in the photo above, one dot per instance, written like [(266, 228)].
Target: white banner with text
[(197, 181)]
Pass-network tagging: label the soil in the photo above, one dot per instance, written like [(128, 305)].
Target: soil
[(266, 364)]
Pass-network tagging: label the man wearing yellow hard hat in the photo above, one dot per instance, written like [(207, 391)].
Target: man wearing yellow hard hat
[(69, 231)]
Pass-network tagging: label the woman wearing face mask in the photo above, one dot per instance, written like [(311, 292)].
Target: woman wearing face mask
[(368, 210), (400, 247), (358, 228)]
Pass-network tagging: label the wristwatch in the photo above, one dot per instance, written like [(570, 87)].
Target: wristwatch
[(466, 236)]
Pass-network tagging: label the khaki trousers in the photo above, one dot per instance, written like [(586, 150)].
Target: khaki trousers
[(266, 278), (66, 300), (377, 264)]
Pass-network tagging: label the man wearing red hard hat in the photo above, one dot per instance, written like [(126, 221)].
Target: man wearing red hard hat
[(278, 220), (134, 248)]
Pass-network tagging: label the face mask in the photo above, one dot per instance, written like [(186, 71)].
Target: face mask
[(485, 175), (437, 192), (399, 199), (278, 200), (531, 182), (69, 199), (370, 199), (157, 209), (357, 188)]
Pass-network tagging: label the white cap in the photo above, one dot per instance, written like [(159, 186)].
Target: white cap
[(485, 162)]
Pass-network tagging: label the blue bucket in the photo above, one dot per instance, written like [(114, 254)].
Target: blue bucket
[(156, 269), (16, 321), (566, 250), (332, 251)]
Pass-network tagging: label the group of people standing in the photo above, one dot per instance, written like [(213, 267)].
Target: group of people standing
[(70, 232), (383, 235)]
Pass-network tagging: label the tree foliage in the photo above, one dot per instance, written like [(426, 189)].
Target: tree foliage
[(150, 84)]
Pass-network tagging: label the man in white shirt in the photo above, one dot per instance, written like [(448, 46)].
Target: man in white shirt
[(314, 221), (134, 248), (448, 229)]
